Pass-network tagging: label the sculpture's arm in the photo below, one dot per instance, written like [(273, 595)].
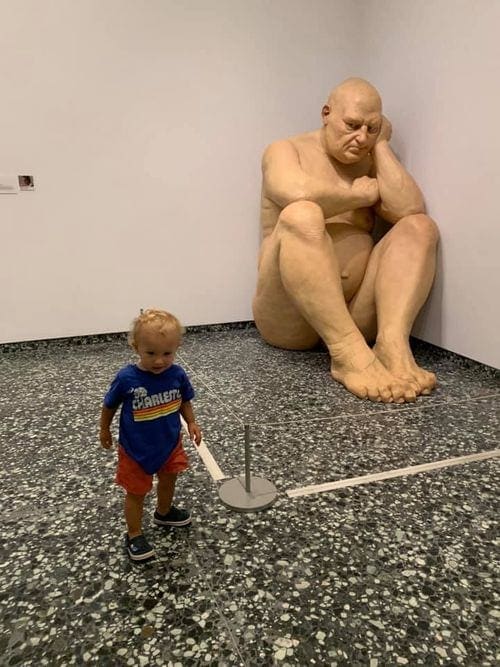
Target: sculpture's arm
[(285, 182), (399, 193)]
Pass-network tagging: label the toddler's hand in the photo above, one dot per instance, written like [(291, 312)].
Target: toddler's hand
[(194, 432), (106, 439)]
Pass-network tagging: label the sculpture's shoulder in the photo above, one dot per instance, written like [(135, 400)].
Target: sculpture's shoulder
[(298, 144), (306, 142)]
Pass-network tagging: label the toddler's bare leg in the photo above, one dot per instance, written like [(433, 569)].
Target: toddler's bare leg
[(133, 514), (165, 492)]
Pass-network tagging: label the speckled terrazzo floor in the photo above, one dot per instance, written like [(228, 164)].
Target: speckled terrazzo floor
[(401, 572)]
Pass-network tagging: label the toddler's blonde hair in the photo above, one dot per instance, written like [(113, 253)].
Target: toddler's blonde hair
[(156, 320)]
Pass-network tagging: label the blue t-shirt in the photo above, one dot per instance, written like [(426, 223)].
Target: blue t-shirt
[(150, 424)]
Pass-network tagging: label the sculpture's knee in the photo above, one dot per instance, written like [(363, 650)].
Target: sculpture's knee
[(423, 228), (304, 218)]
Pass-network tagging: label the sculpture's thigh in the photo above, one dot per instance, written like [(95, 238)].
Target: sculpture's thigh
[(276, 317), (353, 247), (355, 253)]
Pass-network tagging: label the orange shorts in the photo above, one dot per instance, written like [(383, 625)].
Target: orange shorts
[(132, 477)]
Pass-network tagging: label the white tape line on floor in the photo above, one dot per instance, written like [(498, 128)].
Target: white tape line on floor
[(390, 474), (206, 456)]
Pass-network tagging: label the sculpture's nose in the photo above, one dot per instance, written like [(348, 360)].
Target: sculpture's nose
[(362, 135)]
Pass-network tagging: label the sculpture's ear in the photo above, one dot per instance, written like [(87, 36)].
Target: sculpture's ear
[(325, 112)]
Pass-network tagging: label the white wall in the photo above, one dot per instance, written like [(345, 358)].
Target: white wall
[(437, 65), (143, 122)]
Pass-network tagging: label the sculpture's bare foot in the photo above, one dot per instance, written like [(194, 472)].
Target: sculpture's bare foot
[(356, 367), (396, 355)]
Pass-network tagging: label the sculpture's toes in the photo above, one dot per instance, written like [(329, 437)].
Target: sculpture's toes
[(403, 391), (427, 381)]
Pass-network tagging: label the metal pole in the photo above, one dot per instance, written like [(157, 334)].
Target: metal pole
[(247, 458), (239, 497)]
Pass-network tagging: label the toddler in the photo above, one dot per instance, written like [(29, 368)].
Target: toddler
[(152, 393)]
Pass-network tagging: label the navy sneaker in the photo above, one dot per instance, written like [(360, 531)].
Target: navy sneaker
[(174, 517), (139, 549)]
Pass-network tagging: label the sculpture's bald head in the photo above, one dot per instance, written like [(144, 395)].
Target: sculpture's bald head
[(352, 119), (355, 90)]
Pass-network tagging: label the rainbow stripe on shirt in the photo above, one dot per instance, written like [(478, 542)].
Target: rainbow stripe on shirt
[(146, 414), (147, 408)]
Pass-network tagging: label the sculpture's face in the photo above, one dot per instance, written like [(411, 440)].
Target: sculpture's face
[(351, 127)]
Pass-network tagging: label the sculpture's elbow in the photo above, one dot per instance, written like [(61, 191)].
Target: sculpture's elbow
[(415, 209), (394, 214), (293, 192)]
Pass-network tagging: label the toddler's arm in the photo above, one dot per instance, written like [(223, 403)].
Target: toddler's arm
[(107, 415), (194, 430)]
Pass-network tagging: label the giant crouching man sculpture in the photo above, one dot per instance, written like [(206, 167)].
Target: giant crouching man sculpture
[(320, 273)]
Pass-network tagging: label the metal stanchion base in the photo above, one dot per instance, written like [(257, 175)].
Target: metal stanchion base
[(234, 495)]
